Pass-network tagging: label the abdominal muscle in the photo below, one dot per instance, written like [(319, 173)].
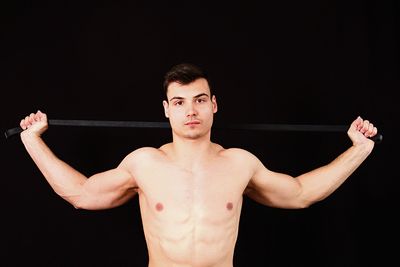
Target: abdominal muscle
[(195, 233)]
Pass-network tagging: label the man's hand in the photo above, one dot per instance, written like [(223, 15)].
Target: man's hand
[(34, 124), (360, 131)]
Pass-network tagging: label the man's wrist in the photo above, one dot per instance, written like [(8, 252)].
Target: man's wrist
[(27, 136), (364, 148)]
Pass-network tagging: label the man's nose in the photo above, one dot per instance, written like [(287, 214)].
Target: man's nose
[(191, 110)]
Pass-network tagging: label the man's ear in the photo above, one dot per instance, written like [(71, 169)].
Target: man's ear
[(166, 106), (214, 103)]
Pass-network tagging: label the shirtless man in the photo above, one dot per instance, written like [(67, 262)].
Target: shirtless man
[(191, 190)]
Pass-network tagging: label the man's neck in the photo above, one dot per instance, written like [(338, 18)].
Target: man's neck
[(191, 151)]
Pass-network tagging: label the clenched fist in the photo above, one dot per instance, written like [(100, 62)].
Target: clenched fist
[(35, 123)]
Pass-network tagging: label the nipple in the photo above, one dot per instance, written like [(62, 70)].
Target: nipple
[(159, 206), (229, 206)]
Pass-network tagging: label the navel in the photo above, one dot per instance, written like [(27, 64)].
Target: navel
[(229, 205), (159, 206)]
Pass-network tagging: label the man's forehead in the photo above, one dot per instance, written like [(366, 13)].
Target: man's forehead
[(193, 89)]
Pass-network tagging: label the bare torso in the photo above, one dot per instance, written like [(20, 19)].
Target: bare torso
[(191, 217)]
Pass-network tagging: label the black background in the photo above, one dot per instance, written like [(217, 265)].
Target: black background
[(312, 62)]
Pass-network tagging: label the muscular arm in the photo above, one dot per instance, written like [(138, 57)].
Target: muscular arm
[(100, 191), (281, 190)]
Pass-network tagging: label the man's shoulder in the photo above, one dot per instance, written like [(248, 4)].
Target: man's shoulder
[(144, 153), (238, 153), (239, 158)]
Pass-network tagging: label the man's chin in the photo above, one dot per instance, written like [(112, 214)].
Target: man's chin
[(193, 136)]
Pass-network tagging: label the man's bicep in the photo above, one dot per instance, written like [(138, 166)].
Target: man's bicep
[(273, 188), (107, 189)]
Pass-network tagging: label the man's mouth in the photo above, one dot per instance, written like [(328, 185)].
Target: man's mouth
[(194, 122)]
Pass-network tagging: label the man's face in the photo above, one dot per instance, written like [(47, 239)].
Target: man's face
[(190, 108)]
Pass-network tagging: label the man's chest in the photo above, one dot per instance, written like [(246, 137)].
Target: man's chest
[(209, 190)]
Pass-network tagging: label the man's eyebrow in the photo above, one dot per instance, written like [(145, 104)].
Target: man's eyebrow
[(177, 97), (196, 96), (200, 95)]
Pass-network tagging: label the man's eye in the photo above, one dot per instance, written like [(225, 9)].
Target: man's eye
[(178, 103), (201, 100)]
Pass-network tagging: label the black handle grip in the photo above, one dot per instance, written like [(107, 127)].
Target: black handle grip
[(13, 131), (377, 138)]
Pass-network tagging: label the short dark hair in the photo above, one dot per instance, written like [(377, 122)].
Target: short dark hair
[(184, 73)]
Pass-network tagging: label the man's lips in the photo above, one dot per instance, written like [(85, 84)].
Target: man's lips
[(192, 123)]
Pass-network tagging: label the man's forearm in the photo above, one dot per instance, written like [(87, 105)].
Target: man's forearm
[(321, 182), (65, 181)]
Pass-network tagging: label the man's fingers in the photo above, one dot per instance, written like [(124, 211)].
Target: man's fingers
[(358, 123), (37, 117), (31, 118), (22, 124), (370, 130), (365, 126), (40, 116), (26, 121)]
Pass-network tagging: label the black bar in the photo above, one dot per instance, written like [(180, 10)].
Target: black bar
[(165, 125)]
